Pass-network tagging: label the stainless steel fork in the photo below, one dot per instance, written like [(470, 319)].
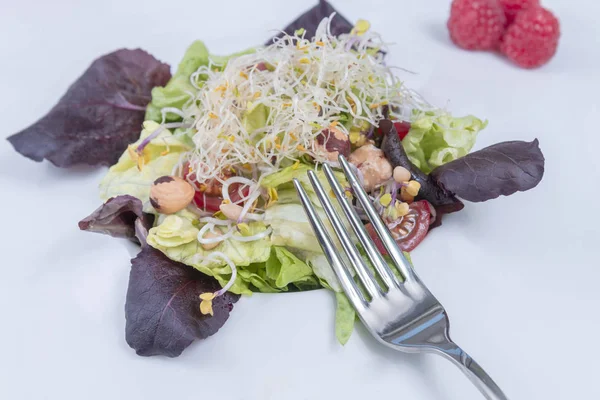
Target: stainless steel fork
[(402, 314)]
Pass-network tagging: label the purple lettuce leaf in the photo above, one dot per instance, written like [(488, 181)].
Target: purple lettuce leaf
[(443, 200), (501, 169), (101, 113), (310, 21), (162, 307), (121, 217)]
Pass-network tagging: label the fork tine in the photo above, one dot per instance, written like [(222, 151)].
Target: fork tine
[(350, 288), (382, 231), (365, 275), (374, 255)]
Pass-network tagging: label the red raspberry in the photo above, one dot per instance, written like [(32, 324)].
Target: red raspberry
[(476, 24), (512, 7), (532, 39)]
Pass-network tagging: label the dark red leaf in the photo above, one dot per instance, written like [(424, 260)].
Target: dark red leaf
[(501, 169), (310, 21), (121, 217), (162, 309), (101, 113), (443, 200)]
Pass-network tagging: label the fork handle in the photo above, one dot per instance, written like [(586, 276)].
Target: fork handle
[(474, 372)]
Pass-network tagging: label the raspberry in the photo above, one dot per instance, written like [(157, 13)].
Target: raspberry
[(512, 7), (476, 24), (532, 39)]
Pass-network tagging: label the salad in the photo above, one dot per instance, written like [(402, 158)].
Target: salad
[(206, 187)]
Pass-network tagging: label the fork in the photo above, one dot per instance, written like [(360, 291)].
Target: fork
[(400, 313)]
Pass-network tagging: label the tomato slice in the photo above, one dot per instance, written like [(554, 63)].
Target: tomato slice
[(410, 231), (402, 127)]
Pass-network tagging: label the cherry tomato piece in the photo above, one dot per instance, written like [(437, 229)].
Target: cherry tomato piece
[(410, 231)]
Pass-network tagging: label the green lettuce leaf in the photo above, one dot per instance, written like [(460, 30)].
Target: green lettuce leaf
[(260, 266), (282, 181), (124, 178), (255, 117), (284, 268), (344, 318), (181, 245), (435, 139), (176, 93)]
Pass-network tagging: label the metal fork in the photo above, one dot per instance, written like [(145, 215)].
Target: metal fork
[(402, 314)]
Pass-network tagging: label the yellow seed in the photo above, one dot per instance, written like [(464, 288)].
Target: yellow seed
[(303, 82), (206, 307), (300, 148), (286, 105), (277, 146), (212, 115), (304, 60), (360, 27), (385, 200), (248, 167), (225, 201), (319, 43), (244, 228), (231, 139), (401, 208), (207, 296), (405, 196), (132, 153), (294, 137), (413, 188), (256, 95), (333, 124), (243, 75), (296, 164), (164, 153)]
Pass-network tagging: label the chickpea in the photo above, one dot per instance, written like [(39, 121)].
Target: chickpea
[(373, 165)]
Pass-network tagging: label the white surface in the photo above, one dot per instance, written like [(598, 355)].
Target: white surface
[(519, 276)]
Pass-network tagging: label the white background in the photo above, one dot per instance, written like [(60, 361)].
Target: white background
[(519, 276)]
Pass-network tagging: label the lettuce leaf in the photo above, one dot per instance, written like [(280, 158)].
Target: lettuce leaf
[(120, 217), (124, 178), (100, 113), (309, 21), (501, 169), (178, 90), (260, 266), (344, 318), (284, 268), (282, 181), (162, 306), (435, 139)]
